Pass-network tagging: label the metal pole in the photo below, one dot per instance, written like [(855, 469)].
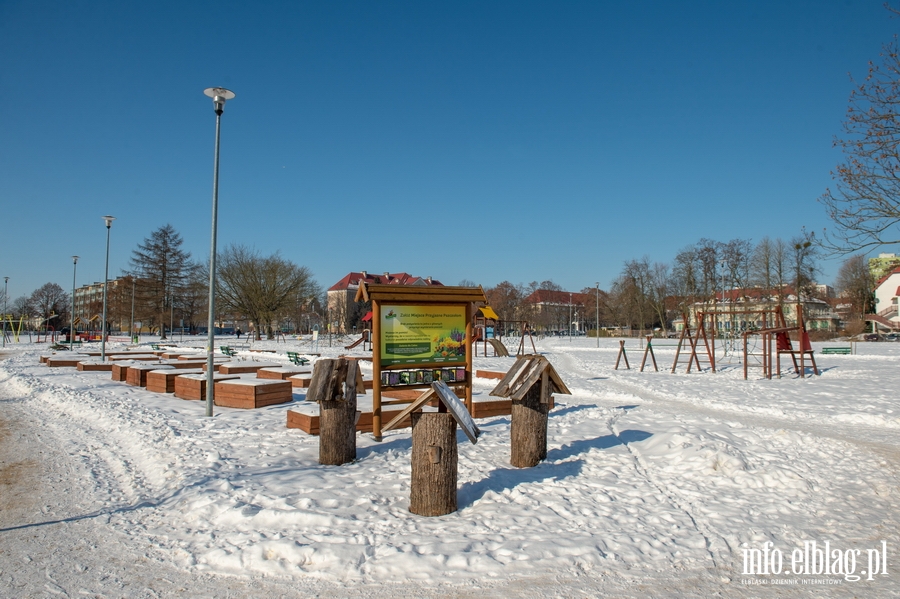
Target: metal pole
[(211, 341), (109, 220), (570, 318), (72, 325), (598, 315), (131, 330), (172, 316), (4, 316)]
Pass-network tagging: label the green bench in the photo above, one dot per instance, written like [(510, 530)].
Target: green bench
[(297, 359), (227, 351), (837, 350)]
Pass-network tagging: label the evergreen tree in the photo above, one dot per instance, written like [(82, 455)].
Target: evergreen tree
[(160, 267)]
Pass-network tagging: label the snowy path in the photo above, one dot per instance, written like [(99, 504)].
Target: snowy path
[(651, 479)]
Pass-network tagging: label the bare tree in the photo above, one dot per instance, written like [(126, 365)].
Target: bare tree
[(51, 303), (855, 284), (260, 287), (804, 255), (865, 204)]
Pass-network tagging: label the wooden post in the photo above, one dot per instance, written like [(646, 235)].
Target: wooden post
[(434, 464), (376, 370), (337, 409), (528, 429), (621, 355)]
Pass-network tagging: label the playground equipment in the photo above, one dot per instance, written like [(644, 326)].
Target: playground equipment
[(365, 338), (780, 335)]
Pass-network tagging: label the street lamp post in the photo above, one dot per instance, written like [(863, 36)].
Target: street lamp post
[(570, 318), (4, 316), (72, 325), (109, 220), (131, 330), (219, 95), (598, 314)]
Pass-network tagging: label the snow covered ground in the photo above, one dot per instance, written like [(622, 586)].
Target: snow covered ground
[(655, 484)]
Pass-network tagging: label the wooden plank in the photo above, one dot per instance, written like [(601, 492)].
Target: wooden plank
[(490, 374)]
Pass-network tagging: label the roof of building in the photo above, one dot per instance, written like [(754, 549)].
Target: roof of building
[(894, 271), (353, 279), (560, 298)]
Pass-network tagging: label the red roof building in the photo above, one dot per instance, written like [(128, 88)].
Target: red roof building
[(345, 313)]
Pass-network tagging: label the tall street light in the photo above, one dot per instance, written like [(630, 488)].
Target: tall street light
[(598, 314), (219, 96), (131, 330), (109, 220), (72, 325), (570, 318), (3, 316)]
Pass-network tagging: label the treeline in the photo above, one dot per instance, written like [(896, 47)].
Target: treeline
[(648, 294), (166, 288)]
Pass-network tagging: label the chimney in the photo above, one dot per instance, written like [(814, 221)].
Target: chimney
[(428, 280), (363, 273)]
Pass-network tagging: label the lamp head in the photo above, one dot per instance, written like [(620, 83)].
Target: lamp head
[(109, 220), (74, 259), (219, 95)]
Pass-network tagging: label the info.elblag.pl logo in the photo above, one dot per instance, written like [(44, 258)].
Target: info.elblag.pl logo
[(816, 559)]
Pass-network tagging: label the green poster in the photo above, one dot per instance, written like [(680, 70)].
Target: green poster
[(423, 335)]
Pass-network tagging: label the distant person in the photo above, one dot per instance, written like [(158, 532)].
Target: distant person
[(238, 331)]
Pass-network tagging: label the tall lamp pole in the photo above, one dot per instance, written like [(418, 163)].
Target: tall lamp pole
[(131, 330), (570, 318), (598, 314), (219, 96), (72, 325), (109, 220), (3, 316)]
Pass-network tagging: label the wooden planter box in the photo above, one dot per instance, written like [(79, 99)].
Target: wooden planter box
[(71, 360), (244, 367), (193, 386), (300, 380), (309, 423), (163, 381), (490, 374), (135, 357), (120, 370), (252, 393), (281, 373), (88, 366), (137, 373)]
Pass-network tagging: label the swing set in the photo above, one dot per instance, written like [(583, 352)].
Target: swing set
[(770, 328)]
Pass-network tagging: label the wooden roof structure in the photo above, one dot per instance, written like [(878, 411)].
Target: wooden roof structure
[(432, 294), (525, 373)]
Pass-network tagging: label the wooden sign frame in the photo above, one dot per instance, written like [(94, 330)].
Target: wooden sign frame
[(414, 295)]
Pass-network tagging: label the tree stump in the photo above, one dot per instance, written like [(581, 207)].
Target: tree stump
[(434, 460), (528, 430), (337, 409)]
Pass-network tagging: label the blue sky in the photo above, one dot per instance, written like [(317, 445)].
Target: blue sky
[(486, 141)]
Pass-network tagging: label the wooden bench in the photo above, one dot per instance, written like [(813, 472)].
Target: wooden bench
[(297, 359), (252, 393), (837, 350)]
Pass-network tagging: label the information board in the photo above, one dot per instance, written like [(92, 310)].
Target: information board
[(422, 334)]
